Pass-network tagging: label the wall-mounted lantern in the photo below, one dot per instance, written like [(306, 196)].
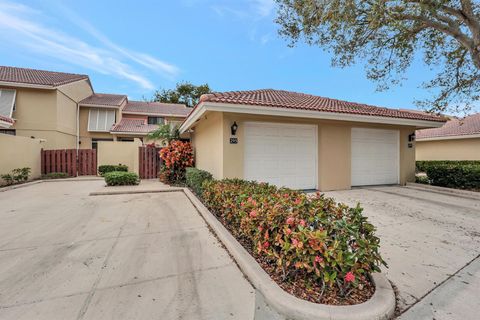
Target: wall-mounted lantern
[(411, 137), (234, 128)]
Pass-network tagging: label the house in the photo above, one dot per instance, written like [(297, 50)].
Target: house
[(458, 139), (63, 109), (304, 141)]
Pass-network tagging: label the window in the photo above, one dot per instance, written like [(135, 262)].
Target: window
[(7, 101), (101, 119), (125, 139), (156, 120), (11, 132)]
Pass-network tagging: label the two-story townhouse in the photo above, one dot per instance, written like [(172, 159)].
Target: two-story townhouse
[(42, 104), (63, 109)]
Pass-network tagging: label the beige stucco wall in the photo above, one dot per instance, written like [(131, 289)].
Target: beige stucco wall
[(455, 149), (20, 152), (119, 152), (87, 136), (208, 144), (224, 160), (49, 114)]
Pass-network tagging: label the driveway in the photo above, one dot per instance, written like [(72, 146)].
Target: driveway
[(67, 255), (431, 242)]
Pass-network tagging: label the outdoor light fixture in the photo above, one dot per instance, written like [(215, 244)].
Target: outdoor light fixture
[(234, 128), (411, 137)]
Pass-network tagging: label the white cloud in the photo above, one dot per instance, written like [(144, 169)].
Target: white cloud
[(263, 8), (19, 27)]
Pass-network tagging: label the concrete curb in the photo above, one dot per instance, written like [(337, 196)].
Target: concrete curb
[(448, 191), (117, 192), (18, 186), (272, 302)]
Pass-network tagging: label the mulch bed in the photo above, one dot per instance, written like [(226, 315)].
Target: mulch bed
[(300, 286)]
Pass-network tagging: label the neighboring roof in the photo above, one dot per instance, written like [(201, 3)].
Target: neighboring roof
[(453, 128), (134, 126), (302, 101), (38, 77), (156, 108), (6, 121), (103, 99)]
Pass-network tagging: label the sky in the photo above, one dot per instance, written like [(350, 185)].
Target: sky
[(136, 47)]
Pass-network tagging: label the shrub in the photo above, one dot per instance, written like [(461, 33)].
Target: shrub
[(422, 179), (177, 156), (17, 175), (422, 166), (56, 175), (121, 178), (459, 176), (195, 179), (299, 235), (111, 167)]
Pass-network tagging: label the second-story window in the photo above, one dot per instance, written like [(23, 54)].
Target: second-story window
[(7, 102), (101, 120), (156, 120)]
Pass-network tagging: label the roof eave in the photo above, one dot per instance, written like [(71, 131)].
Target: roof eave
[(26, 85), (154, 114), (296, 113), (130, 133), (452, 137), (98, 106)]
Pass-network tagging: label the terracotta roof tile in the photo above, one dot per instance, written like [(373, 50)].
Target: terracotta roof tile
[(156, 108), (455, 127), (302, 101), (104, 99), (38, 77), (133, 126)]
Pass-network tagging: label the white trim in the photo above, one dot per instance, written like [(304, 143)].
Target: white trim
[(315, 126), (155, 114), (275, 111), (130, 133), (5, 124), (466, 136), (26, 85)]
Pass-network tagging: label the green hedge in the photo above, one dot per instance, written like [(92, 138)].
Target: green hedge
[(195, 178), (121, 178), (56, 175), (458, 176), (111, 167), (422, 165)]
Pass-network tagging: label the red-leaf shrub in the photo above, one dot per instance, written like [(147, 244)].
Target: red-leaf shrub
[(177, 156), (301, 235)]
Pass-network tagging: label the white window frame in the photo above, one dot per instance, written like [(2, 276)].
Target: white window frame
[(105, 126), (12, 107)]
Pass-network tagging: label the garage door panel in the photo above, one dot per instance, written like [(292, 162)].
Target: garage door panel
[(281, 154), (375, 156)]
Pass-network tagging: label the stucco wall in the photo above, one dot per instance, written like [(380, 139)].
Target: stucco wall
[(87, 136), (458, 149), (334, 149), (119, 152), (20, 152), (208, 144)]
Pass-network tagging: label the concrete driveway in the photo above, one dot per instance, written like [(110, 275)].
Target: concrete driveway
[(67, 255), (431, 242)]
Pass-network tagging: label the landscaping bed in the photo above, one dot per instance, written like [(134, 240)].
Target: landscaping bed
[(450, 174), (313, 248)]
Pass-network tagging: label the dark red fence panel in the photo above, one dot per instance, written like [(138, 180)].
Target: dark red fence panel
[(149, 162), (66, 160)]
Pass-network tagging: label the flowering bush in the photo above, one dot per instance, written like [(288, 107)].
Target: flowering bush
[(177, 156), (301, 236)]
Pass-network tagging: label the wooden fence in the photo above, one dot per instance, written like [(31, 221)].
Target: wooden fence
[(149, 162), (66, 160)]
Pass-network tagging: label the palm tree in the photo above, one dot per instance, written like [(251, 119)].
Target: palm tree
[(165, 132)]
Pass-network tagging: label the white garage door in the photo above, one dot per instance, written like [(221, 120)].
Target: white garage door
[(375, 156), (281, 154)]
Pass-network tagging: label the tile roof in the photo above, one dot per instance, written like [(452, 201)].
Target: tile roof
[(104, 99), (38, 77), (6, 119), (132, 125), (302, 101), (156, 108), (454, 127)]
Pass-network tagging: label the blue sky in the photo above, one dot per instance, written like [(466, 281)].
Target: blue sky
[(135, 47)]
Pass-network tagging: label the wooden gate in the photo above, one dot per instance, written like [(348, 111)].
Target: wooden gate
[(149, 162), (66, 160)]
